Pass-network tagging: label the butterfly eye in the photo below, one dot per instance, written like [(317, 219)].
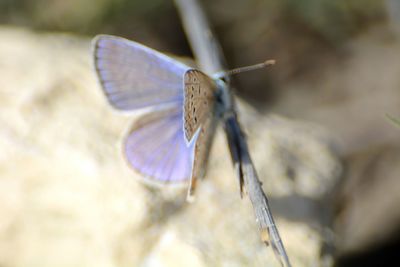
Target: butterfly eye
[(224, 79)]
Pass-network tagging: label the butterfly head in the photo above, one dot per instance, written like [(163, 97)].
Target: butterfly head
[(224, 97)]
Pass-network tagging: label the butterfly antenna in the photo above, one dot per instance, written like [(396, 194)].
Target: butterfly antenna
[(246, 68)]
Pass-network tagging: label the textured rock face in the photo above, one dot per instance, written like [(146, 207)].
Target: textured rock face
[(68, 199)]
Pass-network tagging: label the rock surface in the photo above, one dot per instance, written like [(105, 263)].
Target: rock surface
[(68, 199)]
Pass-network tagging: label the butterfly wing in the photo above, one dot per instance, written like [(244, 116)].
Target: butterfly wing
[(202, 148), (199, 102), (134, 76), (155, 147), (200, 120)]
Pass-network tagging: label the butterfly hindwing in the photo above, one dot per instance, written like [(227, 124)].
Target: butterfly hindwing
[(201, 152), (134, 76), (155, 147)]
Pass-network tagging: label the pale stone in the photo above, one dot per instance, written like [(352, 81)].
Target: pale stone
[(67, 197)]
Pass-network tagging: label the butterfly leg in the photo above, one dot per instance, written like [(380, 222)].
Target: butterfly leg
[(191, 189), (234, 150)]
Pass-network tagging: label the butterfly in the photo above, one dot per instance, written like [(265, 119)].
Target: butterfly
[(171, 143)]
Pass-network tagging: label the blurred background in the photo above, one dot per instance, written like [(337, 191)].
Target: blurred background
[(316, 123)]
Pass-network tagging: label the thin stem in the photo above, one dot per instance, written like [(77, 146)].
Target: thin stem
[(210, 59)]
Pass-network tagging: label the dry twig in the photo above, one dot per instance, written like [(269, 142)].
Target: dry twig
[(210, 59)]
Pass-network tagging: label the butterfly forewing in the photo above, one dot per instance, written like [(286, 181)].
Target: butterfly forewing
[(155, 146), (200, 120), (199, 102), (134, 76)]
